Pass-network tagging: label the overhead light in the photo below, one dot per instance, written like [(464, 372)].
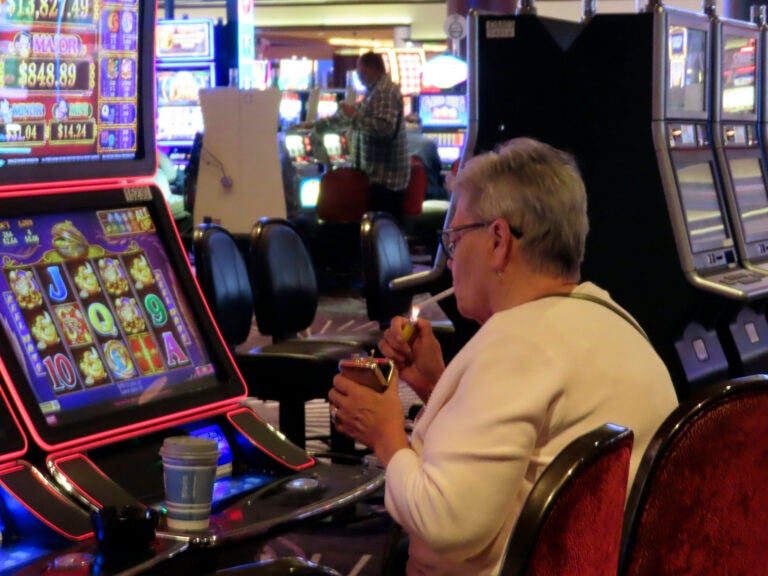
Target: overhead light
[(362, 43)]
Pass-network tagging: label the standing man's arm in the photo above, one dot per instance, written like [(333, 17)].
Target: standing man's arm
[(379, 115)]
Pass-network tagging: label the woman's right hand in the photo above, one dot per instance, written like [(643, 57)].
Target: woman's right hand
[(420, 360)]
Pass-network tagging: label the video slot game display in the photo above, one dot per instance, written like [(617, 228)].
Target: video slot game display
[(290, 109), (179, 114), (449, 145), (296, 144), (702, 208), (751, 197), (327, 104), (94, 314), (687, 73), (443, 110), (71, 94), (184, 40), (336, 146), (295, 74), (739, 75)]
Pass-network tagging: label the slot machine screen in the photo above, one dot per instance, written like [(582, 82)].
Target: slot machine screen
[(295, 74), (739, 81), (76, 78), (179, 114), (702, 208), (687, 70), (290, 109), (102, 325), (335, 145), (443, 110), (296, 147), (184, 40), (327, 104), (751, 197)]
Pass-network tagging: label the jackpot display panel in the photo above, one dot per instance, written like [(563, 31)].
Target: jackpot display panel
[(72, 96), (98, 332)]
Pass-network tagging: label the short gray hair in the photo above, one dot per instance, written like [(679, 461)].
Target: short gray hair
[(537, 189)]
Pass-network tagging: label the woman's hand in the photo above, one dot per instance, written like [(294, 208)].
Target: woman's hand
[(369, 417), (419, 360)]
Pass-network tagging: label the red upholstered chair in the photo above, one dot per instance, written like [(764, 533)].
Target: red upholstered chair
[(343, 196), (417, 188), (570, 524), (699, 502)]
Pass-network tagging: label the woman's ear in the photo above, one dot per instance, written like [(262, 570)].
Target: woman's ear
[(503, 241)]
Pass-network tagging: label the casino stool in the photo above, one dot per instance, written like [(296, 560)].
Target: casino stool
[(698, 502), (386, 257), (289, 370), (413, 198), (286, 295), (342, 201), (416, 190), (570, 524)]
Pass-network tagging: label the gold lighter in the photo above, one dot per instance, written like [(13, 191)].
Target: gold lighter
[(376, 373)]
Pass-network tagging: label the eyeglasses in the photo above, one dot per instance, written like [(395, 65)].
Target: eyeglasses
[(449, 244)]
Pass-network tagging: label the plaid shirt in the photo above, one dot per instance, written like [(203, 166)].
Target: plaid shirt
[(378, 135)]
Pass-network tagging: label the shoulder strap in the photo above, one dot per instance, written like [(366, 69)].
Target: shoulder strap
[(604, 304)]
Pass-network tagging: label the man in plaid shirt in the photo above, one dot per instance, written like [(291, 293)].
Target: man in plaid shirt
[(378, 135)]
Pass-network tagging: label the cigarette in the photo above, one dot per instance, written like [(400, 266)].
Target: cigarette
[(410, 327)]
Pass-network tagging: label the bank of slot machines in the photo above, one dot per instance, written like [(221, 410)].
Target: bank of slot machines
[(672, 194), (662, 110), (108, 345)]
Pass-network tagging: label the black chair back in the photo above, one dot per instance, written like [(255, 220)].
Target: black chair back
[(570, 524), (285, 292), (698, 504), (385, 257), (223, 278)]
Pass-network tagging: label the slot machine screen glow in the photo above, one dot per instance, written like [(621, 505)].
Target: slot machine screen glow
[(97, 318), (739, 81), (702, 207), (75, 77), (687, 70)]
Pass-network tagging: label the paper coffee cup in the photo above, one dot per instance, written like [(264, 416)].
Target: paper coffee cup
[(189, 470)]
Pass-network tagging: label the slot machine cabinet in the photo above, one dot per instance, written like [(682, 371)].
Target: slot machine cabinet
[(660, 241), (109, 348), (41, 527), (303, 161), (517, 73), (107, 345), (737, 61)]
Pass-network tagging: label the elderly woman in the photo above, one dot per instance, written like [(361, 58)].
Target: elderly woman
[(553, 359)]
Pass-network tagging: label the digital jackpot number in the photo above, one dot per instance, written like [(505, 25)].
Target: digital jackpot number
[(48, 10), (69, 132), (29, 132), (52, 75)]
